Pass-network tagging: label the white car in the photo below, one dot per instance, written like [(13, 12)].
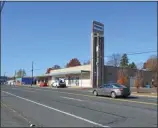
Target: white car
[(10, 82), (59, 83)]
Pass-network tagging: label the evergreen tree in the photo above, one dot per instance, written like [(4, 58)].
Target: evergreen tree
[(132, 65), (124, 61)]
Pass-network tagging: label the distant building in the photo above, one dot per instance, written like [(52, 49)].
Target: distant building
[(80, 75), (3, 79)]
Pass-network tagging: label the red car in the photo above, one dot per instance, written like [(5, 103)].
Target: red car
[(43, 84)]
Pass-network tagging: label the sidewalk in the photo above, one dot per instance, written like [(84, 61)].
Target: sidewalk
[(34, 86), (141, 94), (78, 87), (153, 95)]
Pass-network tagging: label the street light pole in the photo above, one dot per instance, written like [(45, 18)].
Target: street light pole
[(15, 77), (32, 74)]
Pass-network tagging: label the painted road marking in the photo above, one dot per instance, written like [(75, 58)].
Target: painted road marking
[(63, 112), (124, 100), (29, 122), (37, 89), (71, 98), (27, 90)]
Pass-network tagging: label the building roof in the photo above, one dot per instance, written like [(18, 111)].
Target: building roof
[(76, 69), (67, 72)]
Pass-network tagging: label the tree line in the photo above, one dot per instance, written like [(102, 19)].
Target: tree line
[(115, 60), (150, 65)]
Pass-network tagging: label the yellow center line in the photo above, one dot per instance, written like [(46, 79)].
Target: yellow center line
[(7, 106), (123, 100), (116, 99), (140, 102), (3, 104)]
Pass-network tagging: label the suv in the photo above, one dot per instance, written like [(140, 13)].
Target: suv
[(59, 83)]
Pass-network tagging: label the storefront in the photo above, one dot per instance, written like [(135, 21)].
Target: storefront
[(73, 78)]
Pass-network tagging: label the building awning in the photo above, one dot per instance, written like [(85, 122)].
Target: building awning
[(67, 73)]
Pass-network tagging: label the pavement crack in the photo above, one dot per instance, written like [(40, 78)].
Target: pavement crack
[(115, 121), (19, 114), (81, 106)]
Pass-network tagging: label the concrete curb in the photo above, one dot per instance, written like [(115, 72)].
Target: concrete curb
[(153, 95), (144, 95)]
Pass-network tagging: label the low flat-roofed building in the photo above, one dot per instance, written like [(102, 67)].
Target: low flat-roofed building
[(80, 75), (74, 76)]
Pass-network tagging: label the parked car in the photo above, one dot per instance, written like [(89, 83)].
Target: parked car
[(59, 83), (43, 84), (112, 89)]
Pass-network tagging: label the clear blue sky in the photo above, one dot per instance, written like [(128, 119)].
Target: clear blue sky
[(54, 32)]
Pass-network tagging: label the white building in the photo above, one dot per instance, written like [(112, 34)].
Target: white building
[(74, 76)]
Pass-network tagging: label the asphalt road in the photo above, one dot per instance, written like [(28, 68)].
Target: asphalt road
[(22, 106)]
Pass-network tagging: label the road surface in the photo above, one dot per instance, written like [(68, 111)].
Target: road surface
[(43, 107)]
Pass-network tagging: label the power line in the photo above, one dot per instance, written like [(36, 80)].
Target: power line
[(33, 69), (135, 53)]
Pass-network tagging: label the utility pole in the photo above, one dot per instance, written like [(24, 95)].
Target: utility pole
[(15, 77), (1, 5), (32, 74), (4, 77)]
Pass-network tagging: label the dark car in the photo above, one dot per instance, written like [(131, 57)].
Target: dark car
[(112, 89)]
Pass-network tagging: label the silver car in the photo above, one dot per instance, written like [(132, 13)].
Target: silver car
[(113, 89)]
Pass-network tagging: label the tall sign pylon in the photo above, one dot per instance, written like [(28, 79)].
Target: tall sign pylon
[(97, 54)]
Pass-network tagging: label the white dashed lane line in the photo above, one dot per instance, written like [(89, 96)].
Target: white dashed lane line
[(69, 98), (55, 109)]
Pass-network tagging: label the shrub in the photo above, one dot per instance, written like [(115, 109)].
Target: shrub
[(122, 77)]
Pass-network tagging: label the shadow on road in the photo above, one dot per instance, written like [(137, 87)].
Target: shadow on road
[(130, 97)]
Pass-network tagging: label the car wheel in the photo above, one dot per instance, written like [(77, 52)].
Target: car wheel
[(95, 93), (113, 94)]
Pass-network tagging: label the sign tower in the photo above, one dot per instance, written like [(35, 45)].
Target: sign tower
[(97, 54)]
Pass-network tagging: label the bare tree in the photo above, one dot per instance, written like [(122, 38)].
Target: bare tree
[(56, 67), (139, 82), (114, 60), (151, 64), (87, 62), (140, 65), (48, 70), (53, 68), (156, 79), (20, 73)]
